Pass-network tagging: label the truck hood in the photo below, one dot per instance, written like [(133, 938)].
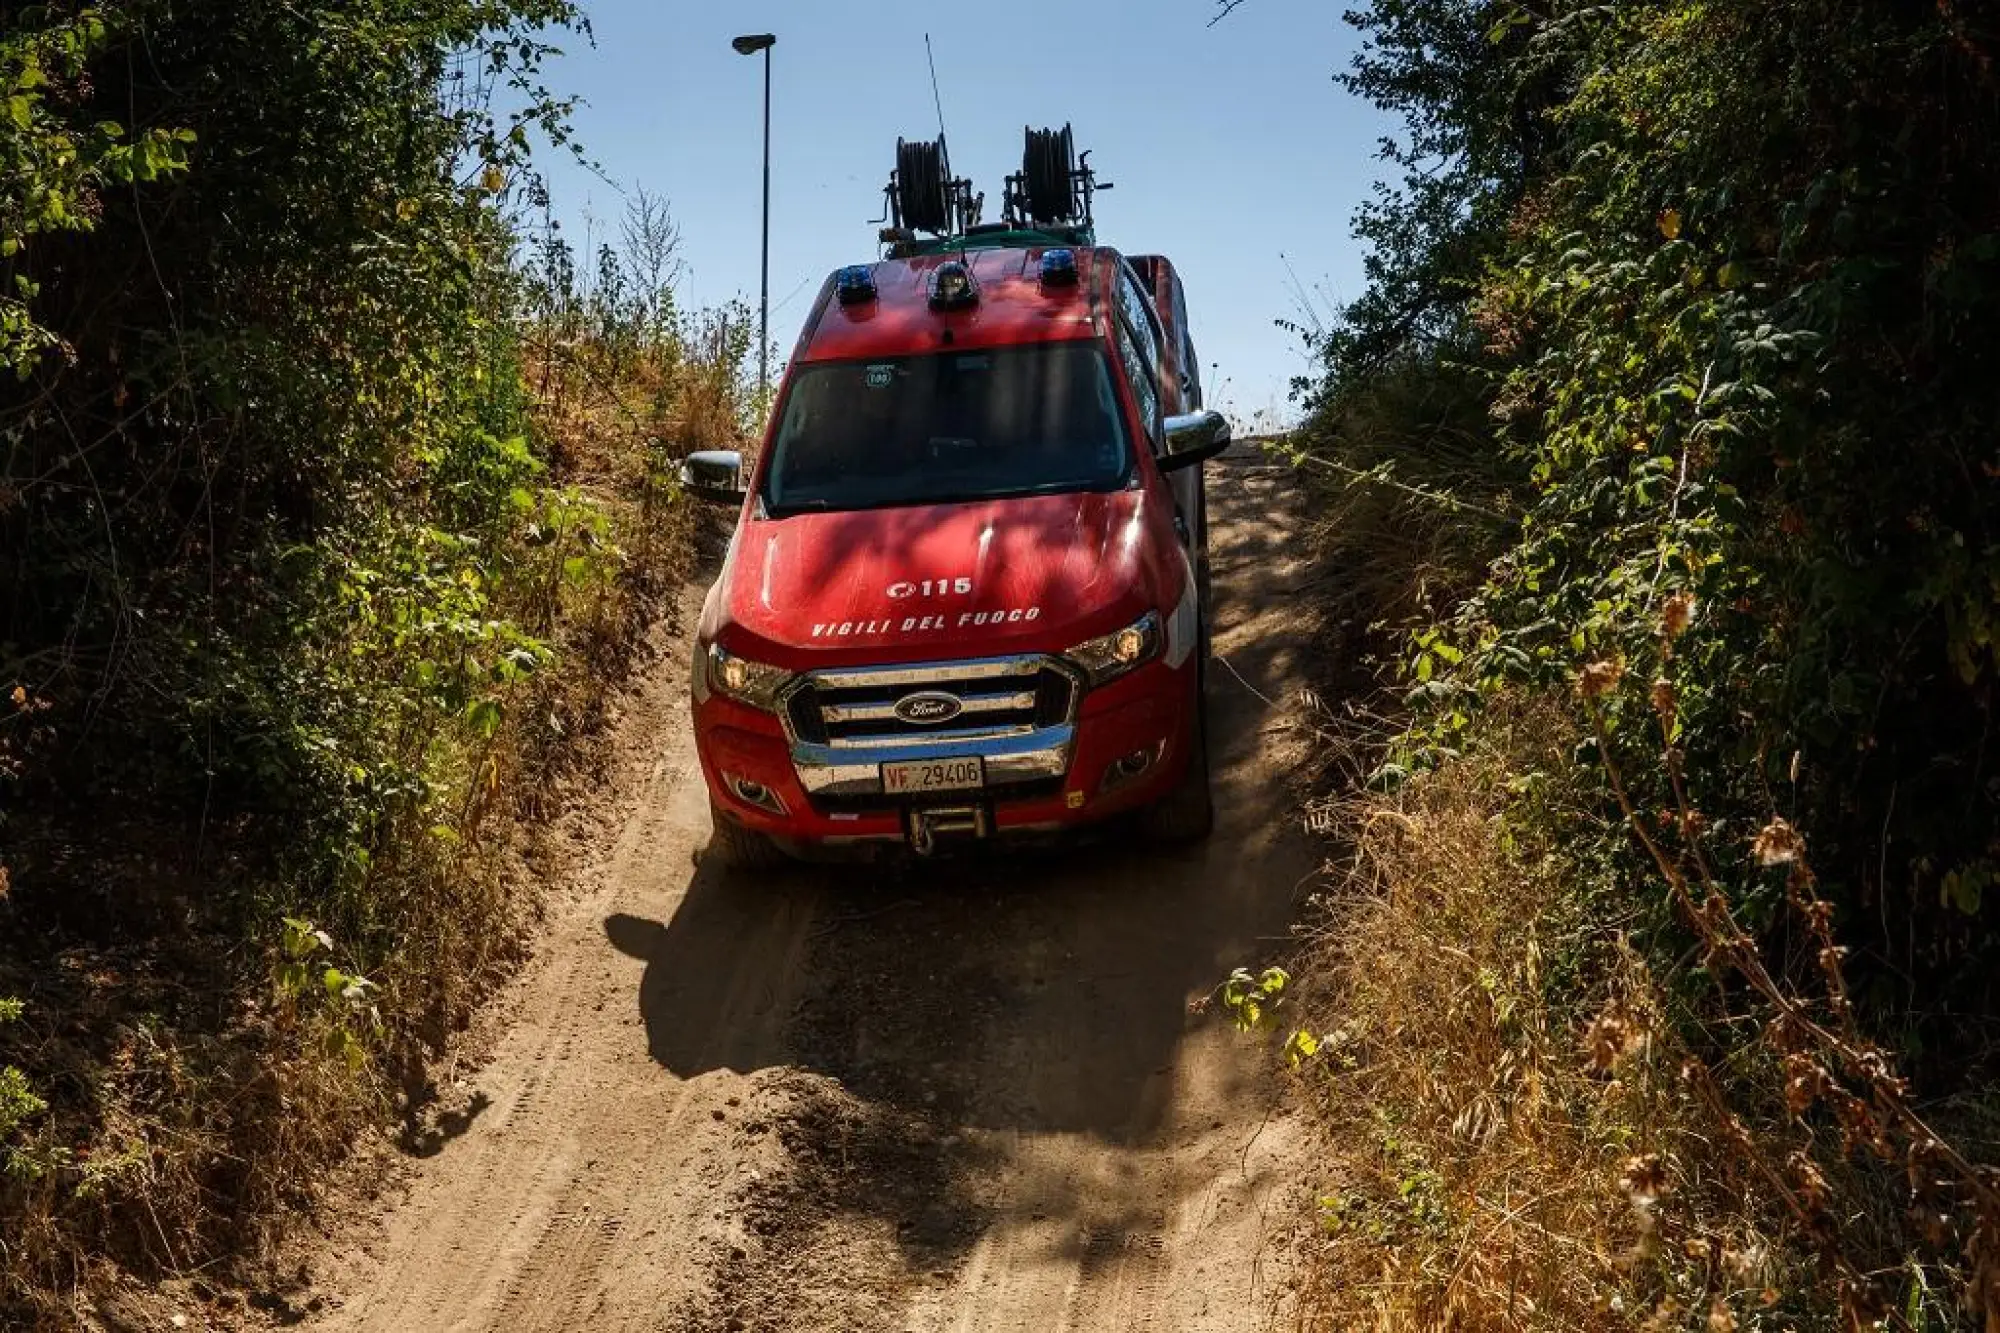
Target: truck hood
[(1019, 574)]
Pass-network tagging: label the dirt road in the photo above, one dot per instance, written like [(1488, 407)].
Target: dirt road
[(969, 1096)]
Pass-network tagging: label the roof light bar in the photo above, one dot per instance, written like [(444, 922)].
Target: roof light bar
[(1059, 268)]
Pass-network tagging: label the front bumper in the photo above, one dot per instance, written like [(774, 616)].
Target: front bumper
[(1053, 777)]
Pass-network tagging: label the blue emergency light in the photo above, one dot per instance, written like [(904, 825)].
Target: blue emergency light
[(855, 284), (1058, 268)]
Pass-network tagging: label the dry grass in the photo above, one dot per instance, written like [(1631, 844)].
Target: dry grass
[(1509, 1143), (1412, 498)]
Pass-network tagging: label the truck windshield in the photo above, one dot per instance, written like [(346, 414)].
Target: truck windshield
[(948, 426)]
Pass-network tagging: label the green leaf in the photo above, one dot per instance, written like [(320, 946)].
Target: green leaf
[(1300, 1047), (18, 1102), (484, 717), (1965, 889)]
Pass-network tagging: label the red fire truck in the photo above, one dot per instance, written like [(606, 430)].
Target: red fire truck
[(966, 596)]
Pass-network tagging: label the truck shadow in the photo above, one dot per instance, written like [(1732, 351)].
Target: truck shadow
[(941, 1031), (1030, 992), (1026, 991)]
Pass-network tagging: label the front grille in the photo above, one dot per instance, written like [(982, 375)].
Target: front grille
[(1001, 697), (803, 709)]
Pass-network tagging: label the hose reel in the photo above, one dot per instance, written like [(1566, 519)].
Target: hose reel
[(1046, 164), (923, 195), (1055, 183)]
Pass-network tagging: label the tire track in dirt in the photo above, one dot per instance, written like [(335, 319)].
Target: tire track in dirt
[(958, 1097), (521, 1222), (1118, 1282), (561, 1275)]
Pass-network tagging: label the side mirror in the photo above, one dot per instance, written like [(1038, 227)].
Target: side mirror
[(714, 475), (1194, 438)]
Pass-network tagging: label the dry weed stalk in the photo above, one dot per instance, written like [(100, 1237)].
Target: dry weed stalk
[(1829, 1064), (1490, 1173)]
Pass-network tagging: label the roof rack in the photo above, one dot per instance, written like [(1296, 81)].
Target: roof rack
[(1047, 202)]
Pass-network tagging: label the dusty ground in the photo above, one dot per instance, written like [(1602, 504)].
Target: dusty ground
[(972, 1095)]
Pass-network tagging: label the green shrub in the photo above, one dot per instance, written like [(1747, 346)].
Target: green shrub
[(334, 503), (18, 1102), (1718, 277), (54, 167), (1728, 282)]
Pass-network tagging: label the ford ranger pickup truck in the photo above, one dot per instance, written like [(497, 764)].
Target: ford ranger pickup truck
[(966, 593)]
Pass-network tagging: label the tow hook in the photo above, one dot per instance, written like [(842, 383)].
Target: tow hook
[(927, 826)]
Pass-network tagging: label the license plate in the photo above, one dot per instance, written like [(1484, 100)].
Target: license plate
[(921, 775)]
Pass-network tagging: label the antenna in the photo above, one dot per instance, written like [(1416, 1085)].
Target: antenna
[(922, 194), (936, 99), (945, 149)]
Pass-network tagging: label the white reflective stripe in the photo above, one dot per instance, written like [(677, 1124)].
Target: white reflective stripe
[(1184, 625)]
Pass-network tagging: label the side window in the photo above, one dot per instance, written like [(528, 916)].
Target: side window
[(1145, 384), (1138, 312), (1190, 363)]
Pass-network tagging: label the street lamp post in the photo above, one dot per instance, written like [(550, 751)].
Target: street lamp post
[(749, 45)]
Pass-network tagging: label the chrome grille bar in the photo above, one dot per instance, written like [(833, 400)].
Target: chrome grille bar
[(928, 674), (886, 712)]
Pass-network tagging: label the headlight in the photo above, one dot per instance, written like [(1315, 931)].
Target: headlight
[(1110, 656), (755, 683)]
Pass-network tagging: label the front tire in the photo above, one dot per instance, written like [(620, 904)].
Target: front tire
[(740, 848), (1187, 813)]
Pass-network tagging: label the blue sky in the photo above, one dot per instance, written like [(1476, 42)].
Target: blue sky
[(1230, 147)]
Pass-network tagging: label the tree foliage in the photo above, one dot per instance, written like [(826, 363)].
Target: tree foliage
[(1722, 274), (332, 499), (1729, 282), (53, 165)]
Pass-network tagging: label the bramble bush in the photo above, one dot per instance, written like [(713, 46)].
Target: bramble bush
[(1727, 305), (1719, 279)]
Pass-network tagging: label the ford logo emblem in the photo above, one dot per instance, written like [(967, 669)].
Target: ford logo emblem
[(929, 708)]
